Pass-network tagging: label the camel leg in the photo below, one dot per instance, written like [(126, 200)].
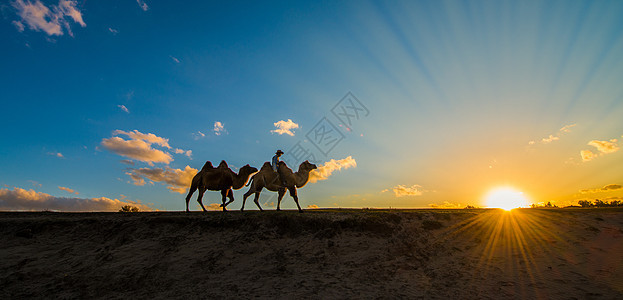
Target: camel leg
[(190, 193), (244, 198), (200, 197), (296, 197), (224, 198), (230, 195), (280, 192), (257, 200)]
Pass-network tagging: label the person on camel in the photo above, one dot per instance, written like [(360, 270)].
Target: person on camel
[(275, 165)]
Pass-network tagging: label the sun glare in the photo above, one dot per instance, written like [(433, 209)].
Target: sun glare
[(506, 198)]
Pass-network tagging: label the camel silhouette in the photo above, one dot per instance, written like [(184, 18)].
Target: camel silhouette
[(222, 179), (267, 178)]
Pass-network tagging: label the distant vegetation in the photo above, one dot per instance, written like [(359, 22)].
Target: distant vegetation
[(129, 208), (600, 203), (548, 205)]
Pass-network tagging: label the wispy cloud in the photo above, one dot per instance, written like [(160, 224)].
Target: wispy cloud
[(176, 180), (113, 31), (606, 188), (127, 162), (556, 136), (122, 107), (35, 183), (21, 199), (286, 127), (66, 189), (325, 170), (52, 20), (177, 61), (219, 128), (603, 148), (142, 4), (138, 147), (57, 154), (198, 135)]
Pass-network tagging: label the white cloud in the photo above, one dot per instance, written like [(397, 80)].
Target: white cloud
[(219, 128), (176, 180), (113, 31), (138, 147), (122, 107), (556, 136), (50, 20), (142, 4), (20, 199), (62, 188), (402, 190), (174, 59), (285, 127), (198, 135), (325, 170)]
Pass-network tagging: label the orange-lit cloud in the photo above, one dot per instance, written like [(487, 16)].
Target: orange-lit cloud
[(606, 188), (188, 153), (447, 204), (403, 190), (138, 147), (325, 170), (62, 188), (312, 206), (176, 180), (52, 20), (604, 147), (286, 127), (20, 199), (57, 154)]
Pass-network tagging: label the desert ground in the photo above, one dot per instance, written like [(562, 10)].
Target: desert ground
[(329, 254)]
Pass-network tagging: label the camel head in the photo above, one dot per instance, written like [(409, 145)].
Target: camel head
[(306, 165), (246, 169)]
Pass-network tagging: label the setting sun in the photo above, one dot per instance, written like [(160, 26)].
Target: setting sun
[(506, 198)]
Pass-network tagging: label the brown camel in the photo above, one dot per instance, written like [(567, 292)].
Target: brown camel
[(221, 179), (267, 178)]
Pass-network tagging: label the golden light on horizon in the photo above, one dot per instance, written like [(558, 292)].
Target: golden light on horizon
[(506, 198)]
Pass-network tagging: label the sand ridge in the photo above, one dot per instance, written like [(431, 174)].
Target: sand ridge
[(335, 254)]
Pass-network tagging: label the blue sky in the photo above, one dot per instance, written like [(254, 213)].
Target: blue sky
[(462, 97)]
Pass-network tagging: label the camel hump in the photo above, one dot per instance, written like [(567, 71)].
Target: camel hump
[(207, 166), (223, 164), (266, 166)]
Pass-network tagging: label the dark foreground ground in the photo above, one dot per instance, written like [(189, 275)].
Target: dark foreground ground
[(460, 254)]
